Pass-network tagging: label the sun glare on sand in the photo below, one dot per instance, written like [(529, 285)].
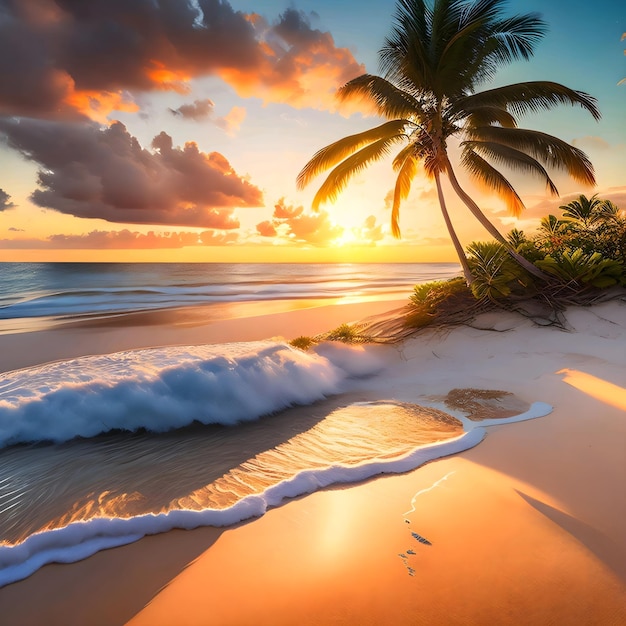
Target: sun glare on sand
[(596, 387)]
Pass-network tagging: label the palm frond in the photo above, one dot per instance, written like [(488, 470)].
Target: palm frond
[(401, 157), (404, 57), (339, 177), (390, 101), (518, 37), (487, 174), (336, 152), (550, 150), (528, 97), (510, 157), (401, 191), (482, 42), (486, 115)]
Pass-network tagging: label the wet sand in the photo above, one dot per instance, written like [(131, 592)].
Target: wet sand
[(527, 527), (186, 326)]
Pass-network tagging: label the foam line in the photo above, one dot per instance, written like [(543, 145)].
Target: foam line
[(79, 540)]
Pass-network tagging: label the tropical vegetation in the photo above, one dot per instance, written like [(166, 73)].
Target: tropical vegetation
[(438, 55), (583, 252)]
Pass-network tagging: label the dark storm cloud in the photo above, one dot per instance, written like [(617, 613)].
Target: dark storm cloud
[(68, 57), (5, 201), (92, 172)]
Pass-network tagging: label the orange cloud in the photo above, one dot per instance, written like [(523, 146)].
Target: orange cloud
[(98, 105), (80, 58), (305, 69), (232, 121), (92, 172), (266, 229), (168, 79), (292, 224), (123, 240)]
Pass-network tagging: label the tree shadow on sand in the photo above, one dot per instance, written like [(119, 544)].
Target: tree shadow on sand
[(605, 549)]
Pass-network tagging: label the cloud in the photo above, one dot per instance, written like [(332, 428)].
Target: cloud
[(5, 201), (91, 172), (16, 230), (266, 229), (300, 65), (123, 240), (200, 110), (197, 110), (370, 232), (232, 121), (591, 142), (617, 195), (531, 217), (65, 58), (292, 224)]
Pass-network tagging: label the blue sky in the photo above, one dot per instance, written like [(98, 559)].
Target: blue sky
[(261, 124)]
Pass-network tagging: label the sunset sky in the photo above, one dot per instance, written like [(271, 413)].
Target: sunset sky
[(167, 130)]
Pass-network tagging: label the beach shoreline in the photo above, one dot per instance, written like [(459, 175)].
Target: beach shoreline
[(526, 527), (184, 326)]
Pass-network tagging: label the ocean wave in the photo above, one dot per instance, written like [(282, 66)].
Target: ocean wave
[(166, 388), (125, 301), (43, 290), (81, 539)]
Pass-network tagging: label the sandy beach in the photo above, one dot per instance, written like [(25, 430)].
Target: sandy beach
[(526, 527)]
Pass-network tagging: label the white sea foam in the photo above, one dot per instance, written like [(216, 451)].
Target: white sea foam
[(166, 388), (79, 540)]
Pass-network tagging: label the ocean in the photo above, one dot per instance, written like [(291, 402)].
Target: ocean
[(35, 295), (99, 451)]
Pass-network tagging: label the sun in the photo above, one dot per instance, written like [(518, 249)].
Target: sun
[(347, 238)]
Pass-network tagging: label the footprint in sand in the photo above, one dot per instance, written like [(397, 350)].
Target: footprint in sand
[(410, 552), (421, 539)]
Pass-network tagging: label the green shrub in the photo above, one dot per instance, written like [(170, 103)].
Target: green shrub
[(302, 342), (496, 275), (432, 293), (430, 300), (345, 333), (516, 238), (584, 268)]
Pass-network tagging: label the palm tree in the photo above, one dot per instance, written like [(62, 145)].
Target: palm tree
[(437, 54), (596, 225), (585, 211)]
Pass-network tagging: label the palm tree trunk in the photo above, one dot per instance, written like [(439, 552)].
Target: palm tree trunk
[(489, 227), (455, 240)]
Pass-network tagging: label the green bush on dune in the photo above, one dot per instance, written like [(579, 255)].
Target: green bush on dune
[(582, 254), (583, 251), (302, 343)]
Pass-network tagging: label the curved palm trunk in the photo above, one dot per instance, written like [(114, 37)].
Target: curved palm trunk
[(455, 240), (489, 227)]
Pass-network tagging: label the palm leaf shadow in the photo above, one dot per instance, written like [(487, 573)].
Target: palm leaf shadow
[(608, 551)]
